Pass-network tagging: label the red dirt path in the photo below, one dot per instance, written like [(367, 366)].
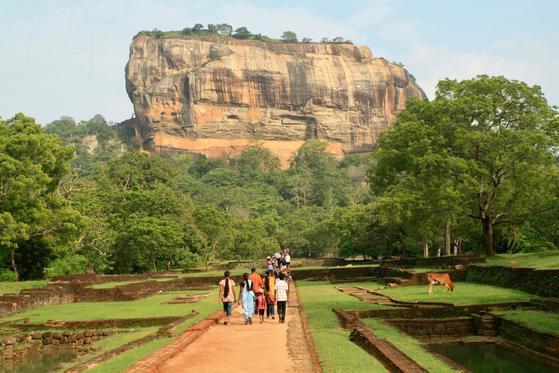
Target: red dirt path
[(239, 348)]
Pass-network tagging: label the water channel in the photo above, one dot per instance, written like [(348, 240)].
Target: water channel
[(492, 358), (36, 362)]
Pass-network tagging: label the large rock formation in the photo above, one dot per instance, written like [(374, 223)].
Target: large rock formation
[(217, 96)]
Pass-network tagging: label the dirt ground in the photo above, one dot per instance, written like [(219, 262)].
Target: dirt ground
[(239, 348)]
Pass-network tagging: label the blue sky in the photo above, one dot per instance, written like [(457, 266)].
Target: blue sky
[(67, 57)]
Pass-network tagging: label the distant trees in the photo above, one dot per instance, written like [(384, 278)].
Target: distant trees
[(224, 29), (289, 36), (242, 33)]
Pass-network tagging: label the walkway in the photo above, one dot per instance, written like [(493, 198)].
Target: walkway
[(238, 347)]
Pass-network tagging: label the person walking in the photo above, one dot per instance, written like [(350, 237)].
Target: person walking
[(247, 301), (287, 260), (227, 296), (269, 291), (281, 297), (256, 280), (261, 305)]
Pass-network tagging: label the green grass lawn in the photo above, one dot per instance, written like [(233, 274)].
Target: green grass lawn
[(123, 361), (545, 259), (335, 351), (110, 343), (8, 287), (407, 344), (464, 293), (546, 322), (147, 307)]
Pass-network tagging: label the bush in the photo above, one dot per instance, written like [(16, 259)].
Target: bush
[(7, 275), (190, 261), (65, 266)]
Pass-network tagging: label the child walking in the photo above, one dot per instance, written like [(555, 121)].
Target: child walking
[(261, 304)]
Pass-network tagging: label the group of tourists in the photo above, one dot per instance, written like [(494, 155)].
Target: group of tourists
[(258, 295)]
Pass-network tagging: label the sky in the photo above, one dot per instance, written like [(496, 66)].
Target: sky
[(67, 57)]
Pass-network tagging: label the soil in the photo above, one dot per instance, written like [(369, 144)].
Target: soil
[(238, 347)]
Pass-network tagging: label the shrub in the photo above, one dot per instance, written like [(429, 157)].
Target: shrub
[(7, 275), (65, 265)]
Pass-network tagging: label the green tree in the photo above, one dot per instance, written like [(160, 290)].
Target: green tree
[(242, 33), (32, 164), (487, 142), (147, 243), (289, 36), (215, 228), (224, 29)]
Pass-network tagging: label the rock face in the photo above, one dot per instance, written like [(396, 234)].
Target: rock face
[(218, 96)]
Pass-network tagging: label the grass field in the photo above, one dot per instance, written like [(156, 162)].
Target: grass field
[(147, 307), (464, 293), (545, 259), (409, 345), (8, 287), (111, 342), (335, 351), (546, 322)]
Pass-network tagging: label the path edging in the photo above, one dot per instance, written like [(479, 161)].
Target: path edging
[(157, 359)]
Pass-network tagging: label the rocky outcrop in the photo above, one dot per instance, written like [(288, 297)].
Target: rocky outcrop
[(217, 96)]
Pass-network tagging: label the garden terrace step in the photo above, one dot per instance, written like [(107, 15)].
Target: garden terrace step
[(486, 325), (388, 354)]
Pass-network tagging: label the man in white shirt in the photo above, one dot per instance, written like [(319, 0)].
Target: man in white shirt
[(281, 289), (287, 260)]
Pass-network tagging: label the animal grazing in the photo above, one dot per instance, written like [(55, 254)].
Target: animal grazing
[(439, 279)]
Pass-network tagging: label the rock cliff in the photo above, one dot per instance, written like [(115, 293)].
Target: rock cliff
[(217, 96)]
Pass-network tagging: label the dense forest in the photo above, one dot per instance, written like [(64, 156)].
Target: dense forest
[(474, 170)]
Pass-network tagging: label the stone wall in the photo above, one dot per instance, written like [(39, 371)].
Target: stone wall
[(348, 272), (441, 327), (543, 282), (519, 334), (18, 346), (433, 262), (437, 312), (31, 298)]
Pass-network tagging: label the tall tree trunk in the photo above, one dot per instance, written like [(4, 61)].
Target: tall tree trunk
[(426, 250), (14, 266), (447, 237), (153, 264), (488, 236)]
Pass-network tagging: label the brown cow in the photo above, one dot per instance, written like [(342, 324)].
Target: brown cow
[(439, 279)]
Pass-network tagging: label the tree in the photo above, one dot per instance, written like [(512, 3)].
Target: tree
[(289, 37), (306, 40), (486, 145), (212, 29), (242, 33), (145, 241), (215, 229), (338, 39), (32, 164), (224, 29), (197, 27)]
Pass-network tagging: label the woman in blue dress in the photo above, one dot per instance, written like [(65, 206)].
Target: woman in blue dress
[(247, 299)]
